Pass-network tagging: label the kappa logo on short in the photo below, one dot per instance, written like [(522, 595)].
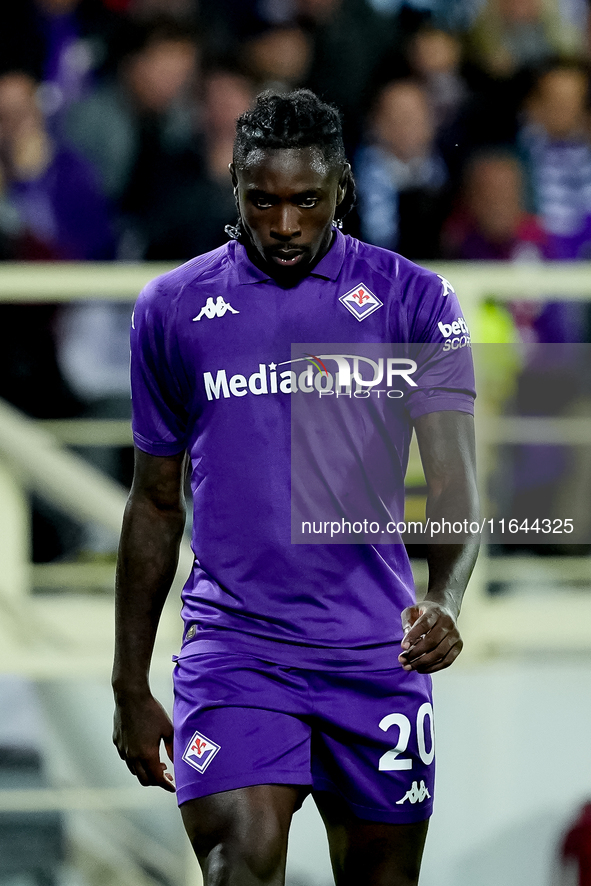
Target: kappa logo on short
[(216, 308), (200, 752), (361, 302), (416, 794)]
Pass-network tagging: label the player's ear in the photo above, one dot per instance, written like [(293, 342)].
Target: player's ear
[(233, 175), (342, 187)]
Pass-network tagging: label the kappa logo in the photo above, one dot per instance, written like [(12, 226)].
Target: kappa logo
[(216, 308), (447, 287), (361, 302), (416, 794), (200, 752)]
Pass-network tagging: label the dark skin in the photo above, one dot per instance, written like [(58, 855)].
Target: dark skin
[(287, 200)]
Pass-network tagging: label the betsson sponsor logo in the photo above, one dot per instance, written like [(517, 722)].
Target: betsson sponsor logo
[(349, 380), (460, 332)]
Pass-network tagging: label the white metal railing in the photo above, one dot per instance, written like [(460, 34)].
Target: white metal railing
[(32, 459), (78, 281), (66, 479)]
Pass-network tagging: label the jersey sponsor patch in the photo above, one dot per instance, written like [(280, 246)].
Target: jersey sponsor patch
[(361, 301), (200, 752), (416, 794), (215, 308), (459, 330)]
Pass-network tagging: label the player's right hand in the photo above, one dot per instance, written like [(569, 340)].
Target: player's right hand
[(140, 724), (431, 637)]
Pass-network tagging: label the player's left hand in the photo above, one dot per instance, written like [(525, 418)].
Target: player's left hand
[(431, 638)]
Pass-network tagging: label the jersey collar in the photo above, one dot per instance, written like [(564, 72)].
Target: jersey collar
[(328, 268)]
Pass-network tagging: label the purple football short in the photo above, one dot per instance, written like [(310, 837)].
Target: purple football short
[(364, 736)]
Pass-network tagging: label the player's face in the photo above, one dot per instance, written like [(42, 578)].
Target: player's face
[(287, 200)]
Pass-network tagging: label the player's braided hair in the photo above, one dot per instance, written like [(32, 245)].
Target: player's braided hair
[(297, 119)]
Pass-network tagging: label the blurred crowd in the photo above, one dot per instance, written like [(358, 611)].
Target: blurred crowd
[(466, 121)]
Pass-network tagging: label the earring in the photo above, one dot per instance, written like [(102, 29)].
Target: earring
[(232, 231)]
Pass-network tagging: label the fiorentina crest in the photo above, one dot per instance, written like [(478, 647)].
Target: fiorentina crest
[(200, 752), (361, 302)]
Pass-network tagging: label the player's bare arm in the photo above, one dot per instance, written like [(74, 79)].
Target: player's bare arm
[(446, 443), (148, 554)]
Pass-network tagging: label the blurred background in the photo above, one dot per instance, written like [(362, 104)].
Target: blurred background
[(467, 124)]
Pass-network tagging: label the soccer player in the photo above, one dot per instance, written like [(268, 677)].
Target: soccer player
[(304, 667)]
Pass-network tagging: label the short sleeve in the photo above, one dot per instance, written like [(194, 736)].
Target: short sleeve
[(441, 346), (159, 416)]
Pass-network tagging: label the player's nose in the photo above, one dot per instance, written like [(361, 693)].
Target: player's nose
[(285, 223)]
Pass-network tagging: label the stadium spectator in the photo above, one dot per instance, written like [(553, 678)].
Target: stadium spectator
[(64, 44), (510, 39), (17, 242), (52, 208), (279, 58), (195, 199), (227, 24), (491, 223), (513, 34), (54, 190), (183, 11), (401, 177), (557, 149), (60, 213), (150, 98), (455, 15), (436, 59), (349, 39)]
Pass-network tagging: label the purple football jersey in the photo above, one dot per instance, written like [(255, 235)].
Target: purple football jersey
[(211, 346)]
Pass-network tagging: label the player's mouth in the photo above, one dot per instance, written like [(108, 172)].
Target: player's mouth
[(287, 258)]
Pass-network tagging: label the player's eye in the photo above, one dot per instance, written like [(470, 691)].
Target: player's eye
[(261, 201), (308, 202)]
